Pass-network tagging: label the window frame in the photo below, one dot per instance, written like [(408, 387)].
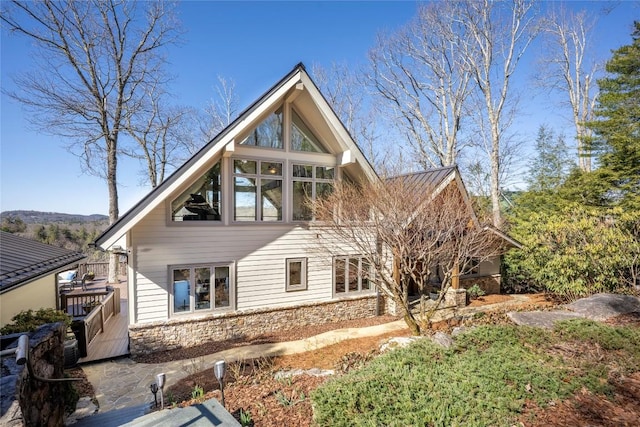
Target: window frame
[(262, 121), (313, 179), (346, 262), (258, 176), (303, 286), (220, 208), (213, 307)]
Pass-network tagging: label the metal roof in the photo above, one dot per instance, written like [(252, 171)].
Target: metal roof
[(23, 260), (426, 180)]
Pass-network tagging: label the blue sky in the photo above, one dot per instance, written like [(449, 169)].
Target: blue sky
[(255, 44)]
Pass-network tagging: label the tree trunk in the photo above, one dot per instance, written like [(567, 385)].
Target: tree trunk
[(411, 323), (495, 175), (112, 184)]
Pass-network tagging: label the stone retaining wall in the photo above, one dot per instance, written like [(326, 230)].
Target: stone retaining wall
[(189, 332), (27, 402), (489, 284)]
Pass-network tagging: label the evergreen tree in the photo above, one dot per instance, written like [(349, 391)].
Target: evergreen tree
[(551, 164), (617, 129)]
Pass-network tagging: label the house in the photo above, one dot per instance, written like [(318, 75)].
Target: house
[(484, 273), (225, 247), (222, 249), (28, 274)]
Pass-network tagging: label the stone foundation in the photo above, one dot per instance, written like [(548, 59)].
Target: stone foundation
[(28, 402), (189, 332), (489, 284)]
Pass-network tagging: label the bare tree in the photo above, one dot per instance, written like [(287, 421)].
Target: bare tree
[(421, 75), (403, 233), (161, 135), (96, 60), (565, 67), (222, 109), (347, 95), (500, 35)]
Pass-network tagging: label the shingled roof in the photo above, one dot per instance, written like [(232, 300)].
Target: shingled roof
[(24, 260)]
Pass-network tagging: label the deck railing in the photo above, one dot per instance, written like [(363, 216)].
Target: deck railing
[(101, 269), (100, 310)]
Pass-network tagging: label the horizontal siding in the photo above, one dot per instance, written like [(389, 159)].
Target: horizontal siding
[(259, 253)]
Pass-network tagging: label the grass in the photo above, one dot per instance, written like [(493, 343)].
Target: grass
[(484, 379)]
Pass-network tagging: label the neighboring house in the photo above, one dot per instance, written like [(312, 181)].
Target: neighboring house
[(28, 274), (486, 274), (225, 247)]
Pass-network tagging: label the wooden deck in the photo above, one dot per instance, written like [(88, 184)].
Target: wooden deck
[(114, 340)]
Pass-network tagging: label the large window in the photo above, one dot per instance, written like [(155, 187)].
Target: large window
[(202, 200), (302, 139), (309, 182), (257, 189), (267, 134), (351, 274), (192, 289)]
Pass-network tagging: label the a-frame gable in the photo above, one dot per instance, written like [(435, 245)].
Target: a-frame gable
[(294, 84)]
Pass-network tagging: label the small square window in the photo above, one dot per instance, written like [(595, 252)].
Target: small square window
[(296, 274)]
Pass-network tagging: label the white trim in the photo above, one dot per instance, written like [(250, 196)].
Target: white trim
[(303, 275)]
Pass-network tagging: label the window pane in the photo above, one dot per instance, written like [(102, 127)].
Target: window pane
[(245, 199), (303, 171), (325, 172), (340, 275), (295, 273), (271, 168), (244, 167), (323, 189), (181, 291), (222, 298), (354, 274), (203, 290), (301, 195), (271, 194), (365, 275), (268, 133), (302, 139), (202, 200)]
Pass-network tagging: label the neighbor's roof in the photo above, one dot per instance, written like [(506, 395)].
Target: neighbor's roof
[(24, 260)]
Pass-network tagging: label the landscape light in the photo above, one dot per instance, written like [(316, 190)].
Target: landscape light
[(161, 378), (219, 369)]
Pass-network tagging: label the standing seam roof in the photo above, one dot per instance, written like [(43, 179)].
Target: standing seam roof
[(23, 259)]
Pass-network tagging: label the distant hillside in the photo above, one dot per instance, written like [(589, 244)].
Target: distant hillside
[(37, 217)]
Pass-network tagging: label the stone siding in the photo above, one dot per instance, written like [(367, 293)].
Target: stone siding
[(489, 284), (191, 331), (28, 402)]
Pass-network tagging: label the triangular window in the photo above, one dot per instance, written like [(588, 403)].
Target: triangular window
[(302, 139), (267, 134)]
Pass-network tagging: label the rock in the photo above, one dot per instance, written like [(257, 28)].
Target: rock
[(442, 339), (541, 319), (459, 330), (605, 306), (397, 342)]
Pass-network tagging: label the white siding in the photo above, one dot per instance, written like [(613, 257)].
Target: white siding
[(258, 251)]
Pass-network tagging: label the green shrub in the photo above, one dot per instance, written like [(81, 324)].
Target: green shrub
[(29, 320), (484, 379), (574, 252), (475, 291)]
